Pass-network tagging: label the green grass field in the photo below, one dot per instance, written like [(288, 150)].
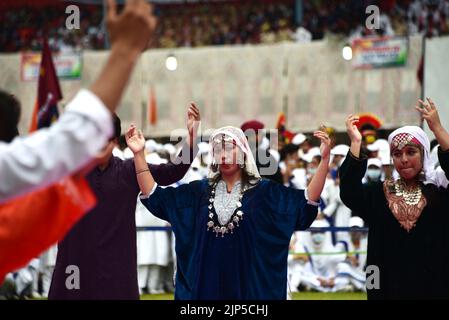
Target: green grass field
[(296, 296)]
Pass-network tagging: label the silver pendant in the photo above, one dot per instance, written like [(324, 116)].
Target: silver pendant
[(223, 231)]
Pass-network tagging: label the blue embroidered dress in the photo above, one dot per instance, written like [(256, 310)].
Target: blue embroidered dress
[(251, 262)]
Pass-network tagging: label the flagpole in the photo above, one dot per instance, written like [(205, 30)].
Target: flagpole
[(423, 57)]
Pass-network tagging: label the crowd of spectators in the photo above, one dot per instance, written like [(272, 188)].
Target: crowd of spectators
[(207, 23)]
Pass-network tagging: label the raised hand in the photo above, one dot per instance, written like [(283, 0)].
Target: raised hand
[(193, 121), (352, 130), (316, 185), (130, 32), (132, 29), (354, 134), (325, 146), (429, 113), (134, 139)]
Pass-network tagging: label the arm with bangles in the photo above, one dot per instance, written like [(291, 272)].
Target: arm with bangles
[(317, 183), (136, 143), (169, 173)]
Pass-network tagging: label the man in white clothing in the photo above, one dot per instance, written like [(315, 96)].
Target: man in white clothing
[(351, 272), (320, 270), (31, 163), (51, 154)]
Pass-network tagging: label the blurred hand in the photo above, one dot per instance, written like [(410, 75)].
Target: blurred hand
[(132, 30), (429, 113), (135, 139)]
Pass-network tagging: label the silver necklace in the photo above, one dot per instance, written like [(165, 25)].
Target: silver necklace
[(214, 224)]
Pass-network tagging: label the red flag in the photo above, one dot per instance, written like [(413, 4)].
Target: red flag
[(281, 121), (48, 92), (25, 230), (152, 107)]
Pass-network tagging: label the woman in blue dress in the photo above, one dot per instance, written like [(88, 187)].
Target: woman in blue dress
[(232, 229)]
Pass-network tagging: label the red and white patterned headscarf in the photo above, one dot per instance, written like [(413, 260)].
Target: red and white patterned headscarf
[(403, 136), (400, 140)]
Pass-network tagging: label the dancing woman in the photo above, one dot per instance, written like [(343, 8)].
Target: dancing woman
[(408, 247), (233, 229)]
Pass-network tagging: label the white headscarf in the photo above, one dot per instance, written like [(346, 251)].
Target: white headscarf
[(432, 176), (240, 139)]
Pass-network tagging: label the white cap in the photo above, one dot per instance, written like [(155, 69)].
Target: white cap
[(308, 157), (356, 222), (298, 139), (374, 162), (373, 147), (315, 151), (203, 147), (382, 145), (385, 159), (319, 223), (151, 145), (153, 158), (169, 148), (116, 152), (340, 150), (127, 153)]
